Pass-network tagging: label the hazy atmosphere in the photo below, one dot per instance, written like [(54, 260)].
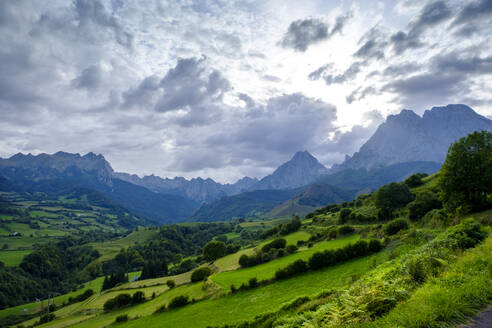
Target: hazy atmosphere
[(225, 89)]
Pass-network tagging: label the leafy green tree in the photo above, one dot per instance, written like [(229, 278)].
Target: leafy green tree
[(200, 274), (214, 250), (415, 180), (465, 179), (391, 197)]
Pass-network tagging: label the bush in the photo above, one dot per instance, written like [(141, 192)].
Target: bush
[(178, 301), (423, 203), (277, 243), (345, 230), (138, 297), (344, 215), (117, 302), (394, 226), (244, 260), (391, 197), (292, 269), (200, 274), (47, 318), (291, 249), (214, 250), (415, 180), (171, 283), (253, 282), (121, 318)]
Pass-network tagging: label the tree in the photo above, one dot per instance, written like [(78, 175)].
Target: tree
[(465, 179), (200, 274), (214, 250), (391, 197), (415, 180)]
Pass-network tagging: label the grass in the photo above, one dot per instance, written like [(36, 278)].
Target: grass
[(13, 258), (87, 317), (109, 249), (230, 262), (248, 304), (450, 299), (267, 270)]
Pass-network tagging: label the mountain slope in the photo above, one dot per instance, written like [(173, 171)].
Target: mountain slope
[(310, 198), (64, 171), (248, 204), (301, 170), (371, 179), (407, 137)]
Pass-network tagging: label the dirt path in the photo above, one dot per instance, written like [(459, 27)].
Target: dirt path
[(483, 320)]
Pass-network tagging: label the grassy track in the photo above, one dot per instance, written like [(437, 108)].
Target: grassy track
[(267, 270)]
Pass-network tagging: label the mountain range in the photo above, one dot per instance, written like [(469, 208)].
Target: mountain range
[(404, 144)]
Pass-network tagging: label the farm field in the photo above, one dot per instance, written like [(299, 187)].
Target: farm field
[(13, 258), (230, 262), (247, 304), (267, 270)]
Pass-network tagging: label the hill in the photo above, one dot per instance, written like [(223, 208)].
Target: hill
[(247, 204), (310, 198)]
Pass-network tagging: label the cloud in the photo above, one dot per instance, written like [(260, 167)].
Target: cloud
[(473, 11), (93, 12), (360, 93), (350, 73), (90, 79), (431, 14), (303, 33)]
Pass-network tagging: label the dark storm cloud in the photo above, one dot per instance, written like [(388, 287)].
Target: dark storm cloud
[(373, 45), (432, 14), (305, 32), (267, 134), (191, 83), (90, 79), (474, 11), (93, 12), (475, 65), (302, 33)]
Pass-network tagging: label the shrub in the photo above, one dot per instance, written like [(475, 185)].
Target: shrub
[(138, 297), (344, 215), (244, 260), (117, 302), (200, 274), (253, 282), (391, 197), (424, 202), (291, 249), (178, 301), (345, 230), (233, 248), (171, 283), (394, 226), (47, 318), (415, 180), (214, 250), (121, 318), (277, 243)]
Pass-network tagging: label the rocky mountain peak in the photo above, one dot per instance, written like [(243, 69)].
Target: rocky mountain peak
[(407, 137), (302, 169)]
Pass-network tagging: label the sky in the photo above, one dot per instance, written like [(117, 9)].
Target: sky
[(224, 88)]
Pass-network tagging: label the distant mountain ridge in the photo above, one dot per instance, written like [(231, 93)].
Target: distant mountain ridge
[(198, 189), (407, 137), (64, 172)]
